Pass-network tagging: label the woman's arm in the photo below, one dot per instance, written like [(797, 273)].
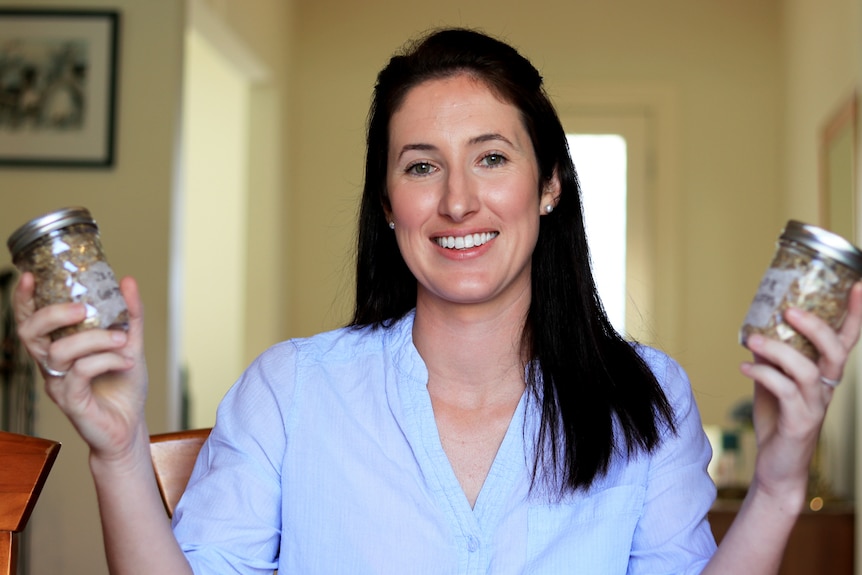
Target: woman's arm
[(136, 530), (98, 378), (790, 402)]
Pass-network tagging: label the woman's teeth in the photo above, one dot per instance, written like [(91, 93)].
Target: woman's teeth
[(464, 242)]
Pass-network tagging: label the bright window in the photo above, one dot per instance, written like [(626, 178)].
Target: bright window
[(600, 160)]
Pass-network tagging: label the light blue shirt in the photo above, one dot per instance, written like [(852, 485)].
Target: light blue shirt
[(325, 460)]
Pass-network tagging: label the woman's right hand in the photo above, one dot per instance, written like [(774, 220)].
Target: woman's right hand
[(102, 381), (102, 392)]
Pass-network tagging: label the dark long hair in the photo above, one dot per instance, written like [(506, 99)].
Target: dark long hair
[(584, 375)]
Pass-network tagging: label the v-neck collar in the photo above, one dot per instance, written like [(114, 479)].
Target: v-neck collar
[(508, 470)]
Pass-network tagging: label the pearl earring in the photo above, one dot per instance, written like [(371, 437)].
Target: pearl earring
[(549, 208), (391, 225)]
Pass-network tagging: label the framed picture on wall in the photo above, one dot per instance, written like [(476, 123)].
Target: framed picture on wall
[(58, 81)]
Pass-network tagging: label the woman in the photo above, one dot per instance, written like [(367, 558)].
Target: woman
[(479, 415)]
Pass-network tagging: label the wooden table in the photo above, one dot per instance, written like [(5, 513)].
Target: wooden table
[(821, 542)]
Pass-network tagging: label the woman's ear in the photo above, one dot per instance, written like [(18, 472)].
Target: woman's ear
[(387, 209), (550, 195)]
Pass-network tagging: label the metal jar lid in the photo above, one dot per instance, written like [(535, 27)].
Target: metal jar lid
[(43, 225), (827, 243)]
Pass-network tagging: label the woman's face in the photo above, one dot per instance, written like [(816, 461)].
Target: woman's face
[(462, 183)]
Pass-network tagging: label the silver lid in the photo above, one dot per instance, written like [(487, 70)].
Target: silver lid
[(825, 242), (43, 225)]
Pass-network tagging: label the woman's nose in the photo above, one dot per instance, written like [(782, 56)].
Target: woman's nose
[(460, 197)]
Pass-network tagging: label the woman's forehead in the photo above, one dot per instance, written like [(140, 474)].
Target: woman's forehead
[(454, 103)]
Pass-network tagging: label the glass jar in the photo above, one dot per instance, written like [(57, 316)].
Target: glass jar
[(64, 253), (812, 269)]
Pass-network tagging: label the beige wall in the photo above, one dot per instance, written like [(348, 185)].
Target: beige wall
[(822, 58), (264, 27), (214, 226)]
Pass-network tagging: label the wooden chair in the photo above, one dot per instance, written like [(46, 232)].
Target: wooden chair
[(24, 466), (174, 456)]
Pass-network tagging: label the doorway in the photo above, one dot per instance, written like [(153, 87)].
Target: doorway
[(630, 306), (214, 207)]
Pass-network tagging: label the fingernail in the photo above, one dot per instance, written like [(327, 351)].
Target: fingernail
[(793, 313), (755, 340), (118, 336)]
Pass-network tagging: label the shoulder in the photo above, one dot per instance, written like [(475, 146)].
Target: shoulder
[(333, 349), (661, 364), (669, 373), (276, 380), (342, 345)]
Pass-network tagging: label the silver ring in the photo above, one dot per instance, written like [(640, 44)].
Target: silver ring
[(53, 372), (833, 383)]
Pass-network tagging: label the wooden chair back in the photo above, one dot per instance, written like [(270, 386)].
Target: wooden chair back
[(174, 455), (25, 462)]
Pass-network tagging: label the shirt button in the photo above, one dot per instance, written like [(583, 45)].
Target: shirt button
[(472, 544)]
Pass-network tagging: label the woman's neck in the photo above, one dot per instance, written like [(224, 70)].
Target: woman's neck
[(474, 356)]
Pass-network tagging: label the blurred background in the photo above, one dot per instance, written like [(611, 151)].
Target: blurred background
[(239, 152)]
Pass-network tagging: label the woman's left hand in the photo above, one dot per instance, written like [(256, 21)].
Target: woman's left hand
[(791, 395)]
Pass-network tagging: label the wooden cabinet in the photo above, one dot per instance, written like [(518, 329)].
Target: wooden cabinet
[(821, 542)]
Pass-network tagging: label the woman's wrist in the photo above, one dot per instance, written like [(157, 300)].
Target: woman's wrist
[(124, 459), (785, 501)]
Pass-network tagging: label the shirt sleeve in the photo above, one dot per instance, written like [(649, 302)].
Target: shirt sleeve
[(673, 535), (229, 518)]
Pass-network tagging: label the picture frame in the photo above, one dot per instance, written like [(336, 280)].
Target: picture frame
[(58, 85), (838, 151)]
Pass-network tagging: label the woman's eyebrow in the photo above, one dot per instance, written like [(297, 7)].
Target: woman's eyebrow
[(419, 147), (491, 137)]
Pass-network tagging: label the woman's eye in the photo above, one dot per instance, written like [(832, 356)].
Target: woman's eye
[(420, 168), (494, 160)]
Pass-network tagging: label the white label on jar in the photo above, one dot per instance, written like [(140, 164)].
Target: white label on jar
[(104, 291), (772, 290)]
